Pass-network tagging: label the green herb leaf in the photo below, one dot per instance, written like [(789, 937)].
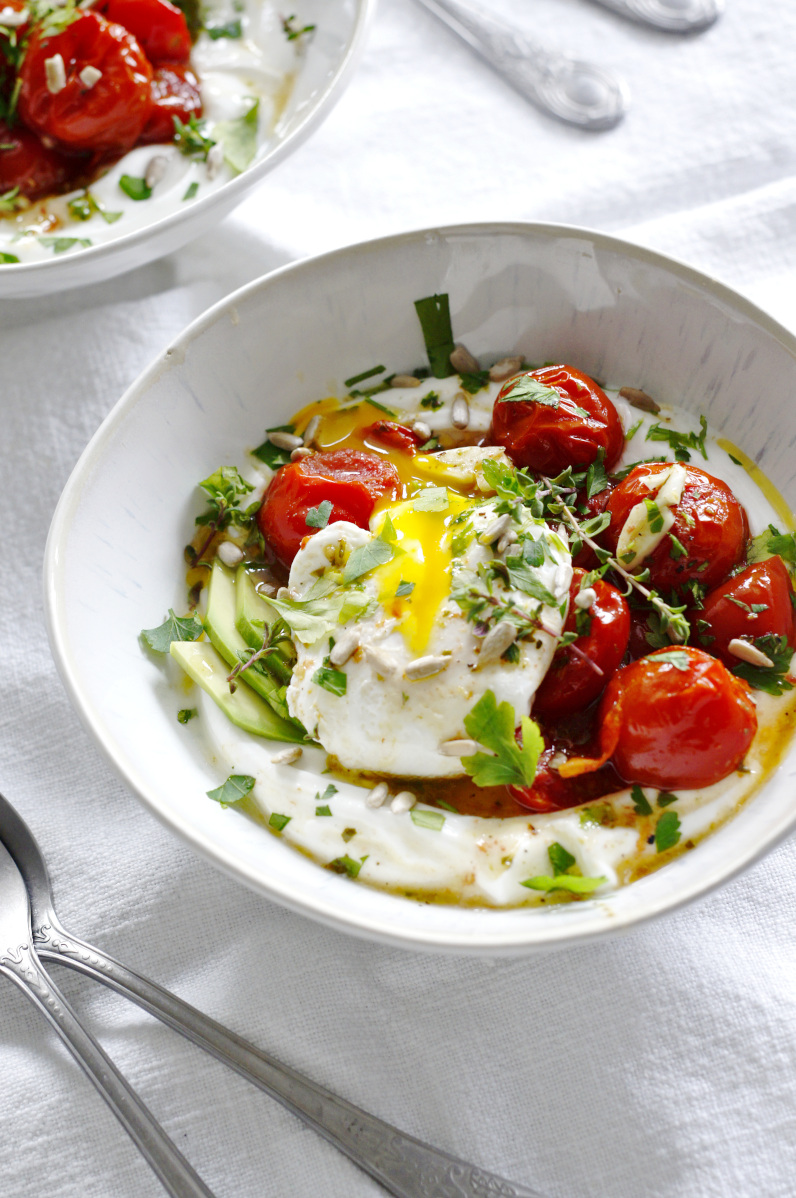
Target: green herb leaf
[(185, 714), (431, 499), (431, 401), (667, 831), (427, 819), (526, 389), (191, 190), (84, 206), (435, 321), (571, 883), (666, 798), (677, 658), (236, 787), (560, 859), (7, 258), (279, 822), (290, 31), (348, 834), (271, 454), (324, 810), (318, 517), (475, 382), (59, 245), (493, 727), (640, 801), (173, 628), (676, 548), (771, 679), (347, 865), (404, 589), (681, 443), (329, 793), (190, 138), (239, 139), (366, 558), (332, 680), (136, 189), (596, 477), (770, 543), (232, 29)]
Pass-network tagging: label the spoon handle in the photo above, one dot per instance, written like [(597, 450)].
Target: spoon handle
[(672, 16), (577, 92), (177, 1176), (405, 1166)]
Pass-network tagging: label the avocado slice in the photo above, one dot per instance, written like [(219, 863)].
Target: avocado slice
[(243, 708), (252, 612), (225, 638)]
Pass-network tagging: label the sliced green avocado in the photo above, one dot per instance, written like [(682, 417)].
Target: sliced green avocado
[(207, 668), (224, 635), (252, 612)]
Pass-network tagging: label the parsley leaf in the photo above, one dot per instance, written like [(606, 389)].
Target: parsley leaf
[(190, 138), (493, 727), (475, 382), (136, 189), (404, 589), (431, 401), (366, 558), (236, 787), (560, 859), (677, 658), (667, 831), (279, 822), (332, 680), (771, 542), (771, 679), (431, 499), (174, 628), (185, 714), (239, 139), (347, 865), (526, 389), (640, 801), (681, 443), (666, 798)]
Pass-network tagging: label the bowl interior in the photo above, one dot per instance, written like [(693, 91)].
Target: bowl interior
[(625, 315), (324, 70)]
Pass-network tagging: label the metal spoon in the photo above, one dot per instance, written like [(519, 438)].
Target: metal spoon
[(19, 962), (672, 16), (405, 1166), (577, 92)]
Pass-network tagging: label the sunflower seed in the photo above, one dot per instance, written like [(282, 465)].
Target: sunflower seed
[(287, 756), (463, 361), (504, 369), (404, 380), (425, 667), (495, 643), (461, 748), (343, 648), (311, 431), (284, 440), (403, 801), (749, 653), (300, 452), (460, 411), (377, 796), (229, 553), (585, 598), (495, 530), (422, 429), (156, 170), (508, 539)]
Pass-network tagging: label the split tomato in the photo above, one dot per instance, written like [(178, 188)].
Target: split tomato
[(749, 605)]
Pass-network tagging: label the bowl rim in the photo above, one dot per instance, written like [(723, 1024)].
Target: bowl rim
[(231, 192), (514, 941)]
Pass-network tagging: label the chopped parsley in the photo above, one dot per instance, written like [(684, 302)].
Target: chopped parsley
[(173, 628), (185, 714), (347, 865), (278, 822), (640, 801), (135, 188), (525, 389), (667, 831), (492, 726), (681, 443), (236, 787), (431, 401), (771, 679), (332, 680), (475, 381)]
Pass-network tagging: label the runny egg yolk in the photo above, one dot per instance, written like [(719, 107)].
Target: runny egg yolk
[(422, 561)]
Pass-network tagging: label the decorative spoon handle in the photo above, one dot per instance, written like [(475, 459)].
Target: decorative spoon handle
[(405, 1166), (577, 92), (673, 16), (177, 1176)]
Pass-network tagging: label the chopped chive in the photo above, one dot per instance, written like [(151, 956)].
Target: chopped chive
[(279, 822), (366, 374), (433, 312), (191, 190), (427, 819)]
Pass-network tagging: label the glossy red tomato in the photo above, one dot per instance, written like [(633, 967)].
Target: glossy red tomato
[(709, 524), (676, 718), (729, 609), (580, 672), (551, 792), (106, 117), (393, 435), (27, 164), (175, 92), (351, 479), (548, 437), (159, 27)]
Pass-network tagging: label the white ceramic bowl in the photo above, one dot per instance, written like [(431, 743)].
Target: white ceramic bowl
[(551, 292), (324, 71)]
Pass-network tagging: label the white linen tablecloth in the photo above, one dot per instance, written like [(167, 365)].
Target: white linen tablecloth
[(662, 1063)]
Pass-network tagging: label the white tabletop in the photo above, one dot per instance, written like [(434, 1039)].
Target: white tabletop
[(662, 1064)]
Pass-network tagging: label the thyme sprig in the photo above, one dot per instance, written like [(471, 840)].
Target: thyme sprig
[(273, 635)]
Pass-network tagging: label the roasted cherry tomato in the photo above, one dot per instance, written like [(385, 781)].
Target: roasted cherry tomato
[(27, 164), (710, 526), (175, 92), (580, 671), (350, 478), (159, 27), (732, 610), (394, 436), (105, 114), (570, 429), (676, 718)]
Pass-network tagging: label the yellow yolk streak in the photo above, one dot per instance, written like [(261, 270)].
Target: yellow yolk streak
[(423, 557)]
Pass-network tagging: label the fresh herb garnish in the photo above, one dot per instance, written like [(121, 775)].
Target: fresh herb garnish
[(773, 543), (236, 787), (641, 803), (59, 245), (427, 819), (366, 558), (560, 859), (185, 714), (572, 883), (431, 401), (323, 810), (135, 188), (239, 139), (332, 680), (525, 389), (290, 31), (5, 257), (435, 321), (675, 657), (475, 381), (173, 628), (681, 443), (492, 726), (366, 374), (347, 865), (231, 29), (771, 679), (279, 822), (84, 206), (191, 190), (431, 499), (666, 798), (318, 517), (404, 589), (667, 831), (190, 138)]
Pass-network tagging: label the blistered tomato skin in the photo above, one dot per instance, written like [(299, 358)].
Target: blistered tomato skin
[(676, 718), (546, 438), (175, 92), (729, 609), (710, 525), (106, 118), (551, 792), (27, 164), (393, 436), (159, 27), (579, 673), (351, 479)]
